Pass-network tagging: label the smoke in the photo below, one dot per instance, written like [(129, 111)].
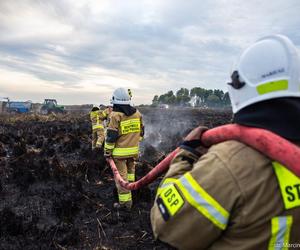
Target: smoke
[(166, 128), (194, 101)]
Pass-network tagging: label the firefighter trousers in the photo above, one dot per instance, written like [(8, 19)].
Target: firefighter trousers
[(98, 137), (126, 168)]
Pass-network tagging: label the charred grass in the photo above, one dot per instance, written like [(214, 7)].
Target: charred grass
[(55, 193)]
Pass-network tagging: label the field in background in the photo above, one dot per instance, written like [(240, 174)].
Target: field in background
[(57, 194)]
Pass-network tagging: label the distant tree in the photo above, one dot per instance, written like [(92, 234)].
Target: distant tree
[(170, 93), (197, 96), (219, 93), (195, 91), (155, 100), (213, 100), (171, 99), (182, 96), (207, 93), (162, 98), (226, 99), (200, 92), (182, 92), (168, 98)]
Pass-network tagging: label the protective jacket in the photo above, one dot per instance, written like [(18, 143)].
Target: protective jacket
[(233, 197), (124, 132), (97, 117)]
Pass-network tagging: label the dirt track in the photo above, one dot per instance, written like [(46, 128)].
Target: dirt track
[(56, 194)]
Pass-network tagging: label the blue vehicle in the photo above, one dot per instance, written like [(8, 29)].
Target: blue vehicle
[(18, 107)]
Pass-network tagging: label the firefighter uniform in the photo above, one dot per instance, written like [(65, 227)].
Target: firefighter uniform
[(122, 142), (233, 197), (97, 117)]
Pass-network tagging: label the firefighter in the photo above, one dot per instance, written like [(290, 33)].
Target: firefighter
[(123, 134), (97, 117), (232, 196)]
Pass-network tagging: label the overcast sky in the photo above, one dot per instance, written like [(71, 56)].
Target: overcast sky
[(78, 51)]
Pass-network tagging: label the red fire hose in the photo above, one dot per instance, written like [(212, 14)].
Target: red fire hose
[(264, 141), (148, 178)]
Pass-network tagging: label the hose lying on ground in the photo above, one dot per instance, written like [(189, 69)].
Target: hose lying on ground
[(148, 178), (264, 141)]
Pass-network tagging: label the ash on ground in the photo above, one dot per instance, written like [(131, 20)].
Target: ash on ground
[(57, 194)]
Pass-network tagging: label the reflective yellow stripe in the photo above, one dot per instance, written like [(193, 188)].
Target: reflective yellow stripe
[(125, 151), (131, 177), (126, 122), (281, 228), (109, 146), (272, 86), (203, 202), (125, 197), (104, 114), (94, 114), (289, 185), (197, 197), (97, 126), (130, 126)]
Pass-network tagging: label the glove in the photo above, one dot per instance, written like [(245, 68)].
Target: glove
[(192, 142), (107, 154), (196, 133)]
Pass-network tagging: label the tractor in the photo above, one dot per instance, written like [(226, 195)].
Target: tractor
[(50, 106)]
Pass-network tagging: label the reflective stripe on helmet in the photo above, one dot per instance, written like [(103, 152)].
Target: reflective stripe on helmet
[(272, 86)]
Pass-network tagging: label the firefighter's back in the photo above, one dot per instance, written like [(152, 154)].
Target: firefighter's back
[(129, 131), (265, 210), (232, 195)]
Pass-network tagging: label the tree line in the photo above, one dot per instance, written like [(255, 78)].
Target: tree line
[(196, 97)]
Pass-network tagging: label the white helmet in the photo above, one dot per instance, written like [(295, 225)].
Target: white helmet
[(120, 96), (270, 68), (95, 107)]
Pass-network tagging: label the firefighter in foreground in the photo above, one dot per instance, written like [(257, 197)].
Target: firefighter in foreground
[(97, 117), (234, 197), (124, 132)]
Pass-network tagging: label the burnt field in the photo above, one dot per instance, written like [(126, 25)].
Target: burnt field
[(57, 194)]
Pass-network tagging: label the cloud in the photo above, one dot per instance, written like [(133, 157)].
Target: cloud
[(81, 50)]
